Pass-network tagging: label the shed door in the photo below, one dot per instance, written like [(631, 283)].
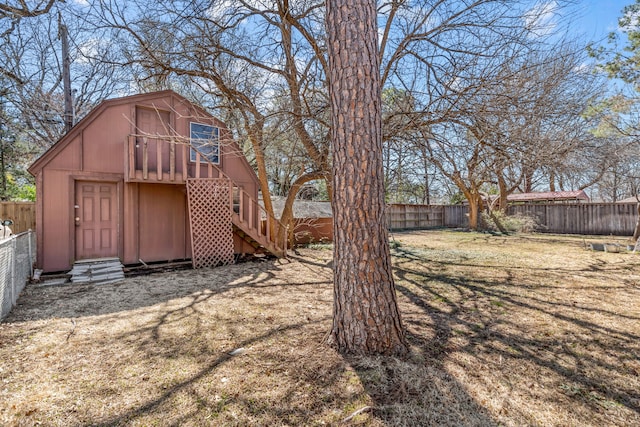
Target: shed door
[(96, 220)]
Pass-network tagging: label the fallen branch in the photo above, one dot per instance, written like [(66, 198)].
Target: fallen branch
[(358, 412), (73, 329)]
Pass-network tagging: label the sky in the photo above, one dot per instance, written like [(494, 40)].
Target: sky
[(597, 18)]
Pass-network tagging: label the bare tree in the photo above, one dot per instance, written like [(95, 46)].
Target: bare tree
[(534, 121), (270, 76), (12, 12), (264, 65), (509, 115), (20, 9), (32, 53)]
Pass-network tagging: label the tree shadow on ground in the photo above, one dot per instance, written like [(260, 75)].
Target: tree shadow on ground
[(410, 391), (414, 391), (279, 378), (498, 323), (168, 359), (39, 302)]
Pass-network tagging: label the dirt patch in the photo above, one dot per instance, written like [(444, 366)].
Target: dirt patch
[(517, 330)]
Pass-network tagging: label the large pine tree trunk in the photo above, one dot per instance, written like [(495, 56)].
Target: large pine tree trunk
[(366, 319)]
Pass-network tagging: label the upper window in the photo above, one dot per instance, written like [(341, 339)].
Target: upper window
[(205, 138)]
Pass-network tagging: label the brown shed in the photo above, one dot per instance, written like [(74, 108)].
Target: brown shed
[(573, 196), (149, 177)]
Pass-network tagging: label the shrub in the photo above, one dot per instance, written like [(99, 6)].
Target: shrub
[(512, 223)]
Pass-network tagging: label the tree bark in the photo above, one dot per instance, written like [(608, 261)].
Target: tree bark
[(502, 186), (366, 319), (474, 210)]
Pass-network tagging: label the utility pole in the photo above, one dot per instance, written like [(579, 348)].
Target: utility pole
[(66, 75)]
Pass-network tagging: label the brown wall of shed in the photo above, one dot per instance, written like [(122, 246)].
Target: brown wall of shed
[(163, 223), (312, 230), (54, 229)]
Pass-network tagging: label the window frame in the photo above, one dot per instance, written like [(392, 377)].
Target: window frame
[(213, 150)]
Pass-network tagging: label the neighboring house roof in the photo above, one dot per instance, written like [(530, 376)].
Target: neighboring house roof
[(302, 208), (552, 196), (632, 199)]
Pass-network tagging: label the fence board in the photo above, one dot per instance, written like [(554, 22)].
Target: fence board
[(581, 218), (403, 217), (23, 215), (456, 216)]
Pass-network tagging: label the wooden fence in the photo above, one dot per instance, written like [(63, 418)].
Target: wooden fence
[(406, 217), (415, 216), (23, 215), (576, 218), (582, 218)]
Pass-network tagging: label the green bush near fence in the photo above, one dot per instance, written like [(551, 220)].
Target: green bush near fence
[(517, 223)]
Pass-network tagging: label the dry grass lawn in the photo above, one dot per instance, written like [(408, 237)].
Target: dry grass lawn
[(504, 330)]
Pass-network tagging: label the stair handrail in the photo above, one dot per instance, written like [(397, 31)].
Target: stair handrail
[(271, 236)]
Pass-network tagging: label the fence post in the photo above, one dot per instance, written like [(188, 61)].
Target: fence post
[(30, 254), (14, 297)]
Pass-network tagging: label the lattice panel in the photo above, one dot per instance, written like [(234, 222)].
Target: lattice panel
[(210, 217)]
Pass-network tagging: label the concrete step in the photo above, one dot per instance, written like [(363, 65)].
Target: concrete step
[(98, 271)]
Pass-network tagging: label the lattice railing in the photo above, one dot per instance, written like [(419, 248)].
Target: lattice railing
[(210, 218)]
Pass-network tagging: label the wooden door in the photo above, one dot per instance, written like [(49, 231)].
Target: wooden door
[(96, 220)]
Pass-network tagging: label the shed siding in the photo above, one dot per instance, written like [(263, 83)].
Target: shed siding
[(103, 141), (130, 218), (70, 158), (58, 219), (162, 222)]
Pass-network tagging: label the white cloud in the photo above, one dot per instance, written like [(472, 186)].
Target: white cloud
[(219, 9), (91, 50), (224, 9), (540, 20), (583, 68)]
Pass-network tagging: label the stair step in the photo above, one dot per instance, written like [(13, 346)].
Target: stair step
[(247, 238), (97, 271)]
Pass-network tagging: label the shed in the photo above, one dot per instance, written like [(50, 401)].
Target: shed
[(312, 220), (549, 197), (632, 199), (149, 177)]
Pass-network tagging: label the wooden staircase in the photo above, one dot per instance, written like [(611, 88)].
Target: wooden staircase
[(164, 160), (260, 243), (249, 219), (212, 202)]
